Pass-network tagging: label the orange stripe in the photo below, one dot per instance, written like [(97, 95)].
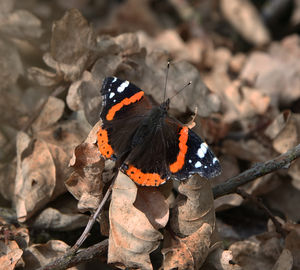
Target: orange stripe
[(103, 145), (126, 101), (144, 179), (178, 164)]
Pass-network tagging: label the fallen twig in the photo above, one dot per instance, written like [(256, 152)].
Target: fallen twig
[(71, 258), (260, 169)]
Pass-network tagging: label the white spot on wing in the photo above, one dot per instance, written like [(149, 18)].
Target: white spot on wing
[(215, 160), (111, 95), (114, 100), (202, 150), (190, 161), (114, 79), (122, 87), (198, 164)]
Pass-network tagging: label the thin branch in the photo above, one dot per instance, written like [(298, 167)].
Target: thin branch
[(62, 262), (260, 204), (72, 259), (93, 218), (280, 162)]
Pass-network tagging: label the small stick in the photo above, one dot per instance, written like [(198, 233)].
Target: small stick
[(93, 218), (85, 255), (282, 161)]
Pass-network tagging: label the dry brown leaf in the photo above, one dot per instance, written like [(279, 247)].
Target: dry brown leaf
[(85, 183), (289, 198), (132, 16), (250, 150), (292, 243), (73, 45), (245, 19), (189, 252), (220, 259), (285, 261), (284, 131), (20, 24), (194, 207), (10, 255), (84, 94), (55, 220), (248, 254), (152, 203), (35, 179), (50, 114), (42, 166), (10, 64), (38, 255), (12, 243), (132, 236), (43, 77), (276, 70), (244, 102)]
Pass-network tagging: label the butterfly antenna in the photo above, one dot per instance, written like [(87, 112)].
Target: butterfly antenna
[(167, 73), (189, 83)]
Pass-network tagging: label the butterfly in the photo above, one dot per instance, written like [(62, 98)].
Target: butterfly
[(151, 146)]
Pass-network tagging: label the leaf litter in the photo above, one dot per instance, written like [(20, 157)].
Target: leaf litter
[(246, 108)]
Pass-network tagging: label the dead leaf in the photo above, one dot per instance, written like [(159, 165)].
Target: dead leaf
[(194, 207), (276, 70), (53, 219), (85, 183), (12, 243), (288, 195), (85, 95), (292, 244), (21, 24), (132, 236), (285, 261), (35, 180), (10, 255), (10, 64), (244, 102), (220, 259), (244, 17), (189, 252), (43, 77), (52, 111), (38, 255)]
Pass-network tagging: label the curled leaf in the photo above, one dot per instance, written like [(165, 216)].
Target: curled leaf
[(195, 208), (132, 236), (189, 252)]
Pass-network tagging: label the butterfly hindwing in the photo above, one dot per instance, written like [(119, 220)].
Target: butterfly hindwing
[(197, 157)]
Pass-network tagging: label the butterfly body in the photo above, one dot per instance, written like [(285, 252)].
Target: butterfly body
[(152, 146)]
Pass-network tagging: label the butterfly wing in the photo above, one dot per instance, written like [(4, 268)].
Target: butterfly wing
[(193, 154), (124, 106)]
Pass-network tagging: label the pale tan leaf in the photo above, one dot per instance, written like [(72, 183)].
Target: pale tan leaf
[(35, 180), (43, 77), (132, 237), (39, 255), (195, 208), (189, 252), (245, 19), (50, 114)]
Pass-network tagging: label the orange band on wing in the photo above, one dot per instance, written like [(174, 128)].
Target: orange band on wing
[(144, 179), (103, 145), (126, 101), (178, 164)]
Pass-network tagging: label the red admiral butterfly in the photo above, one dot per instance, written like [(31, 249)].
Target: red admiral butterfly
[(151, 146)]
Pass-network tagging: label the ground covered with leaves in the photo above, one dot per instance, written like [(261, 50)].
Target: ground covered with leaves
[(243, 60)]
